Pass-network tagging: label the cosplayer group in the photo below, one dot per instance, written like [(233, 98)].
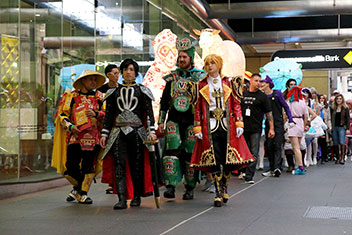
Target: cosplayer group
[(200, 128)]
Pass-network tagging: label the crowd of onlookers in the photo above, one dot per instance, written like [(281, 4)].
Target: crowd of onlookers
[(309, 128), (325, 135)]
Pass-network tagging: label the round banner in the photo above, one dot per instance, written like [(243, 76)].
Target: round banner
[(181, 103)]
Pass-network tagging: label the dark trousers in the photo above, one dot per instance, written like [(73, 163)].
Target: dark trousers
[(219, 138), (129, 146), (324, 148), (273, 148), (252, 140), (80, 162)]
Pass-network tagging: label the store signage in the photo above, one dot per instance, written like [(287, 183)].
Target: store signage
[(317, 59)]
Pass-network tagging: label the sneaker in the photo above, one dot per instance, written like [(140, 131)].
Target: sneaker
[(298, 171), (211, 189), (84, 199), (277, 172), (72, 196), (109, 190), (241, 176), (249, 181), (207, 185), (268, 174)]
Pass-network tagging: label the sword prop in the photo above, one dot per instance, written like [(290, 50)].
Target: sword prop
[(151, 148)]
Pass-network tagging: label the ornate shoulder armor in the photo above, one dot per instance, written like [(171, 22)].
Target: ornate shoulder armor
[(145, 90), (170, 77), (108, 93), (192, 90), (237, 87)]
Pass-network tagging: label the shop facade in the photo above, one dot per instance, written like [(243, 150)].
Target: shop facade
[(45, 44)]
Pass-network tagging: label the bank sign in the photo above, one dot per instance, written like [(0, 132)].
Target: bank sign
[(317, 59)]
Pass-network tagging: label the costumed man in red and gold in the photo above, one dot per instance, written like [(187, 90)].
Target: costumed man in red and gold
[(128, 108), (220, 147), (77, 135)]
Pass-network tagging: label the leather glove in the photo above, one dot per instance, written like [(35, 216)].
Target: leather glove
[(239, 131)]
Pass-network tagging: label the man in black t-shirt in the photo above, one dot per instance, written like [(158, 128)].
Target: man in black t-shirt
[(113, 73), (254, 105)]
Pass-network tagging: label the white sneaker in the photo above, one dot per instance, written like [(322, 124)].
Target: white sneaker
[(249, 181), (241, 176), (207, 185), (211, 189), (268, 174)]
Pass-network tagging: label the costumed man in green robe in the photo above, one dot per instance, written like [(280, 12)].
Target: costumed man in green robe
[(178, 128)]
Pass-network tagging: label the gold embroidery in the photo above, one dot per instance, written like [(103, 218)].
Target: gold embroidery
[(207, 158), (217, 94), (218, 113), (233, 156)]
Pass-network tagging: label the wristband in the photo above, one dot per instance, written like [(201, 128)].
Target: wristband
[(71, 127)]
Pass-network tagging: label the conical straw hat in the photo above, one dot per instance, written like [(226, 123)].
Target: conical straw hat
[(100, 79)]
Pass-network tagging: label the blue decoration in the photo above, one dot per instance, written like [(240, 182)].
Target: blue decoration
[(280, 71), (69, 74)]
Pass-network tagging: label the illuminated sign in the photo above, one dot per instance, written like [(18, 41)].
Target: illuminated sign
[(317, 59)]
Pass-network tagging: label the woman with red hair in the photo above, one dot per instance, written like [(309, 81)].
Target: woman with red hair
[(299, 113)]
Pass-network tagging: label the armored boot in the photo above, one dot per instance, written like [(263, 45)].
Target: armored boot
[(121, 193), (171, 173), (190, 182), (225, 183), (188, 195), (122, 204), (121, 189), (136, 201), (170, 191), (218, 187)]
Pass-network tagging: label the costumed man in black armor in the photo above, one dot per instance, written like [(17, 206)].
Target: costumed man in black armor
[(127, 109), (179, 134), (77, 135)]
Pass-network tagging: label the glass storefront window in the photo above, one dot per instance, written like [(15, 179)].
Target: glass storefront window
[(46, 44)]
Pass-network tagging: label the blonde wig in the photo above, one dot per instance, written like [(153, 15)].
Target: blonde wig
[(216, 59)]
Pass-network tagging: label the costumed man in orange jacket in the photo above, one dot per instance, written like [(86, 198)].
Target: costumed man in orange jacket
[(220, 147), (77, 135)]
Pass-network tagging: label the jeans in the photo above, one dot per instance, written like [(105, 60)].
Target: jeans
[(339, 135), (252, 140)]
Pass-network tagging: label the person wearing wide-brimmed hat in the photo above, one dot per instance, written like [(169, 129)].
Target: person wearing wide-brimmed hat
[(76, 137)]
